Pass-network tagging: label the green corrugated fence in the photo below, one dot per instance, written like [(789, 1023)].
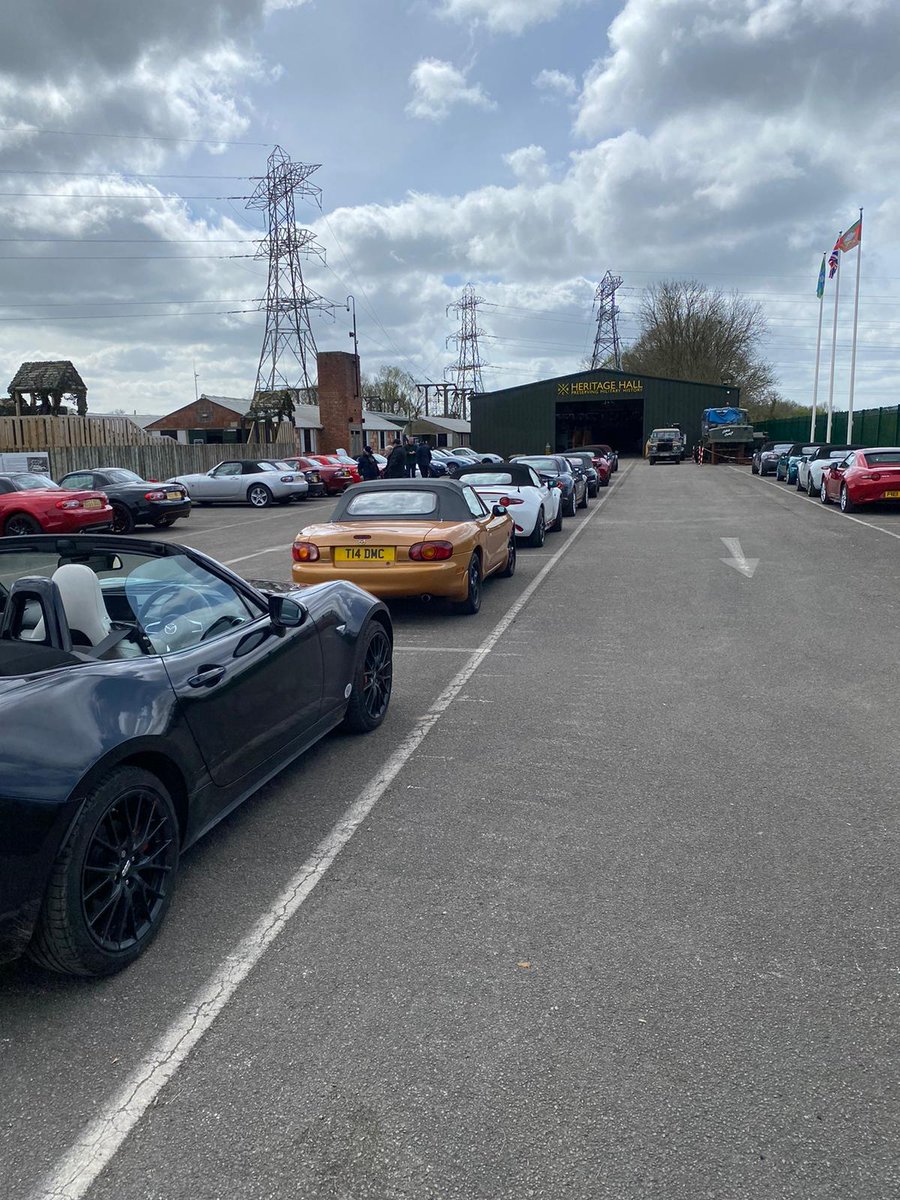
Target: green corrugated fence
[(871, 427)]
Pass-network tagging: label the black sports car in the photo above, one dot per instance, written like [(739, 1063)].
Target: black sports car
[(557, 467), (145, 690), (134, 501)]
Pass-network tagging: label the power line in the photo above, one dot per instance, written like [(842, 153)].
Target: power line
[(135, 241), (114, 196), (113, 172), (131, 316), (134, 137)]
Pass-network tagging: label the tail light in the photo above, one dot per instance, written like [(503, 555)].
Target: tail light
[(430, 551), (68, 504), (304, 552), (506, 501), (287, 479), (154, 495)]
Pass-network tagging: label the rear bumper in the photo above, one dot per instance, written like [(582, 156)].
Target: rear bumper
[(394, 580), (153, 510), (86, 521)]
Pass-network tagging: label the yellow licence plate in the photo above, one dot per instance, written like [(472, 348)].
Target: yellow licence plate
[(173, 495), (93, 504), (364, 554), (892, 495)]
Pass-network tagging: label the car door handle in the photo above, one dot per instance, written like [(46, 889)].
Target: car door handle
[(206, 676)]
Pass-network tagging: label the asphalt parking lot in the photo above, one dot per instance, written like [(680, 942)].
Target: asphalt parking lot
[(623, 924)]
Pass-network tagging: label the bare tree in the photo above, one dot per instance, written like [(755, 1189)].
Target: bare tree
[(393, 390), (691, 332)]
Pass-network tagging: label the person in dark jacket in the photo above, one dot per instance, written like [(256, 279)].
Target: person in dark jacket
[(423, 459), (368, 464), (410, 448), (396, 463)]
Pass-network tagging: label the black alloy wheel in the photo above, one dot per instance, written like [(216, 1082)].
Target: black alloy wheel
[(510, 569), (113, 880), (572, 505), (372, 681), (584, 499), (472, 602), (259, 496), (20, 525), (538, 533), (754, 469), (123, 521)]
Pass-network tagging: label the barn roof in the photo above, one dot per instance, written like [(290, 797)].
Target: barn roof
[(47, 376)]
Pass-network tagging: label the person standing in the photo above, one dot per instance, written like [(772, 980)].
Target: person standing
[(410, 447), (423, 459), (368, 464), (396, 463)]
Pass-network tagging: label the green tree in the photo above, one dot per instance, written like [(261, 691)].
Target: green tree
[(691, 332), (392, 390)]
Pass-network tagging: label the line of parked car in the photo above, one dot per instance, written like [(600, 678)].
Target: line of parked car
[(846, 475)]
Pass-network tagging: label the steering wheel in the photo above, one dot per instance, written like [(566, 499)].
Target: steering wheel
[(173, 623)]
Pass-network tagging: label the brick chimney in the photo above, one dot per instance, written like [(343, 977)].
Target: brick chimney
[(340, 406)]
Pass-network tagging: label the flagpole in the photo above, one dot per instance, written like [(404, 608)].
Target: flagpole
[(855, 326), (812, 423), (837, 289)]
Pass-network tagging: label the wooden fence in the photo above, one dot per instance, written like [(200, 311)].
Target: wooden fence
[(160, 458), (47, 433)]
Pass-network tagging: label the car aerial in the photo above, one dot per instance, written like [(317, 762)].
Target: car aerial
[(533, 505), (789, 460), (134, 500), (410, 537), (596, 466), (178, 690), (312, 471), (862, 477), (557, 467), (244, 480), (344, 474), (665, 445), (31, 503), (809, 470), (766, 456)]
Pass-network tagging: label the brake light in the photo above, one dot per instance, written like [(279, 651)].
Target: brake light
[(154, 495), (68, 504), (304, 552), (430, 551), (287, 479), (506, 501)]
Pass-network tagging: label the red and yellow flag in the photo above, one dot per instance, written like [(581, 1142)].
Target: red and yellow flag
[(850, 238)]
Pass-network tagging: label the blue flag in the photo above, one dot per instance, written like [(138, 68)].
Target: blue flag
[(820, 286)]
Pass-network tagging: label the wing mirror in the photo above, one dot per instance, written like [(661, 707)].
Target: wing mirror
[(499, 510), (285, 613)]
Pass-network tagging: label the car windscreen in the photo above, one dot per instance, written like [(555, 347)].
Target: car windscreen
[(488, 478), (25, 481), (405, 503), (883, 458), (548, 465), (782, 447)]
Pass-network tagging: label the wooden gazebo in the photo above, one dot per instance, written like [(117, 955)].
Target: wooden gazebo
[(46, 384)]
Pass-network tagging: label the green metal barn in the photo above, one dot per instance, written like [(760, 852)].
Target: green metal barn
[(611, 407)]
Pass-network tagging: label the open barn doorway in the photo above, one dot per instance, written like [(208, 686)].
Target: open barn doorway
[(616, 421)]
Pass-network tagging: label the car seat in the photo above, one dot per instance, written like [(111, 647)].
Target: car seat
[(82, 600)]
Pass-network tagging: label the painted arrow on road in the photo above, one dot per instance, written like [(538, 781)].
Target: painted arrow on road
[(738, 559)]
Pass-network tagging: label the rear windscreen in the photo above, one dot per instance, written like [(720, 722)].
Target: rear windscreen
[(881, 458), (392, 504)]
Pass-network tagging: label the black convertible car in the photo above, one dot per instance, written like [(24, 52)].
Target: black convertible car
[(134, 501), (145, 691)]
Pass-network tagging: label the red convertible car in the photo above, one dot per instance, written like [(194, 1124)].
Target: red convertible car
[(863, 477), (337, 475), (34, 504)]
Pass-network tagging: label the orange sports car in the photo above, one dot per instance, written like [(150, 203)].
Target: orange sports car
[(410, 537)]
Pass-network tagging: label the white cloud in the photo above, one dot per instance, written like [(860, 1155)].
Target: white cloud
[(438, 86), (528, 164), (506, 16), (554, 82)]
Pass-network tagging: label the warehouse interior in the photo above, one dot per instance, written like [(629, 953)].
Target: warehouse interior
[(609, 420)]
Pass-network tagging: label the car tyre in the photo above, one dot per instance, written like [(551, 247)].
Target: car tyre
[(112, 882), (285, 499), (754, 469), (652, 460), (810, 486), (372, 681), (823, 492), (539, 532), (847, 505), (20, 525), (571, 506), (510, 569), (259, 496), (584, 500), (557, 525), (472, 602), (123, 521)]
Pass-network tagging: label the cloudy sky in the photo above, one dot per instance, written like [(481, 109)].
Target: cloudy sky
[(526, 146)]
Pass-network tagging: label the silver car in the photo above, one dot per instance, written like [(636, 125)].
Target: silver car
[(254, 481)]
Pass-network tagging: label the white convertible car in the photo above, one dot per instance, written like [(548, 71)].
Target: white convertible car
[(246, 480), (811, 470), (534, 506)]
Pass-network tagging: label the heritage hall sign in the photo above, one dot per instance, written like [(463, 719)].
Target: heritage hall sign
[(600, 387)]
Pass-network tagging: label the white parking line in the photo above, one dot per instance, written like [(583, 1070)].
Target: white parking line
[(282, 549), (101, 1139), (827, 507)]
